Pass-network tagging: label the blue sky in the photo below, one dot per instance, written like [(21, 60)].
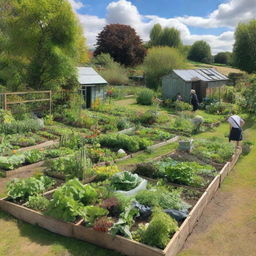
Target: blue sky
[(211, 20)]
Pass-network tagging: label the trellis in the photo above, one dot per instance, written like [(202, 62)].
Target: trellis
[(5, 102)]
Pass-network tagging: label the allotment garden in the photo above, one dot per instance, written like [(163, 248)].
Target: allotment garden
[(131, 174)]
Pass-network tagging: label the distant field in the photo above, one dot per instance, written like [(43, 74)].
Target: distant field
[(225, 70)]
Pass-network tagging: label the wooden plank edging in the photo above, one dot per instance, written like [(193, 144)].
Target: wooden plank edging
[(45, 144), (106, 240), (25, 168)]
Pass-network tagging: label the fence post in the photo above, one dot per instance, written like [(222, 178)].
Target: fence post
[(50, 102), (5, 101)]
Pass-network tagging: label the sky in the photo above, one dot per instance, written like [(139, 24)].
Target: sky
[(211, 20)]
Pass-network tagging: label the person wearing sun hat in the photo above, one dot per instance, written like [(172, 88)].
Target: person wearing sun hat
[(194, 100)]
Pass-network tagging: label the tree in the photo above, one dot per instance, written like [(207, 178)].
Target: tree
[(44, 39), (245, 46), (223, 58), (165, 37), (200, 51), (159, 62), (122, 43)]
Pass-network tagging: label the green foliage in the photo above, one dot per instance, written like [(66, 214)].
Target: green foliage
[(43, 43), (94, 212), (223, 58), (160, 228), (71, 166), (158, 62), (145, 97), (250, 96), (115, 74), (124, 223), (184, 173), (182, 124), (221, 108), (164, 36), (11, 162), (21, 189), (73, 141), (6, 116), (200, 51), (154, 134), (58, 152), (125, 181), (182, 106), (162, 197), (213, 149), (245, 46), (123, 141), (30, 125), (34, 156), (122, 43), (37, 202), (68, 201)]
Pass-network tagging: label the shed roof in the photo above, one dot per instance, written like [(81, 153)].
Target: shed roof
[(88, 76), (204, 74)]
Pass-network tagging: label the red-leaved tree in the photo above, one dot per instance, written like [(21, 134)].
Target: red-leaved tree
[(122, 43)]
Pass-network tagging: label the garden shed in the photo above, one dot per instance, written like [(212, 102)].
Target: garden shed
[(203, 81), (92, 85)]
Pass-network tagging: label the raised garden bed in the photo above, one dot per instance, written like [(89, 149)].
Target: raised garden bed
[(118, 243)]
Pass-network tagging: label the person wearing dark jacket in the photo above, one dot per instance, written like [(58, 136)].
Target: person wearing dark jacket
[(194, 100)]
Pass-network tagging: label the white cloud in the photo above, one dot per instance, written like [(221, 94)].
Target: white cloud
[(226, 15), (124, 12), (76, 5)]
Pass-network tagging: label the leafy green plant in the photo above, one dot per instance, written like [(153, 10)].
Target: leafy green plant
[(91, 213), (68, 202), (125, 181), (125, 221), (37, 202), (11, 162), (162, 197), (159, 230), (34, 156), (183, 173), (22, 189)]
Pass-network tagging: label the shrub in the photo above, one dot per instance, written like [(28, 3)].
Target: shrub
[(158, 62), (221, 108), (145, 97), (182, 106), (160, 228), (115, 74)]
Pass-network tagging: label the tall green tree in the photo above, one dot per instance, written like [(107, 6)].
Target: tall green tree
[(45, 38), (223, 58), (200, 51), (165, 36), (245, 46), (159, 62)]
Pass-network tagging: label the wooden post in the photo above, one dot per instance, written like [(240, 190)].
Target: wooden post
[(5, 101), (50, 94)]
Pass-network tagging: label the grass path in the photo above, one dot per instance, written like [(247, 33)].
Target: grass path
[(228, 225)]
